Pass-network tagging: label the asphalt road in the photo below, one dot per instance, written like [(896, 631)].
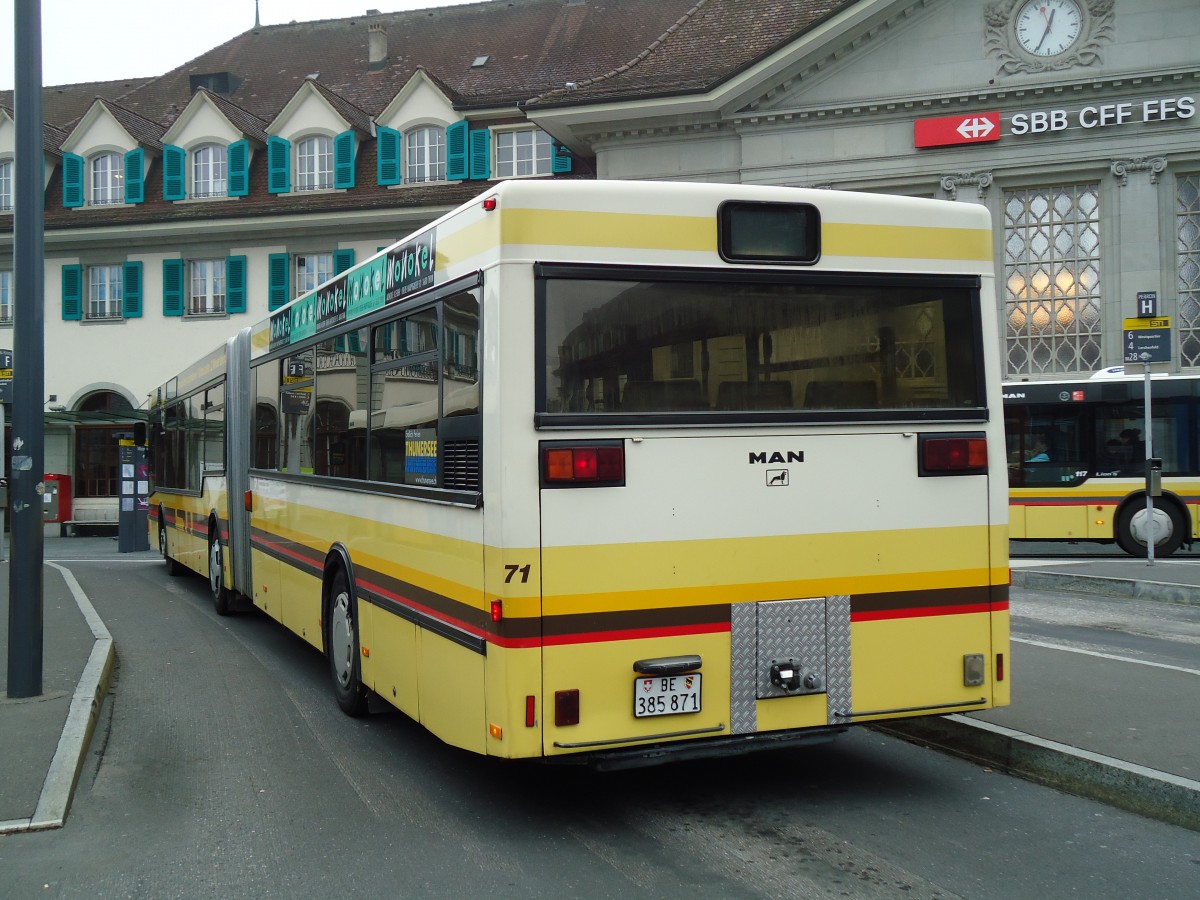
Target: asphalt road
[(224, 768)]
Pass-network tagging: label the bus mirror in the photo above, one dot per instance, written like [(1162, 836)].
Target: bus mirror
[(1154, 476)]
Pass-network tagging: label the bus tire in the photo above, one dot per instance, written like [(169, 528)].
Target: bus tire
[(1129, 523), (344, 663), (216, 577), (174, 569)]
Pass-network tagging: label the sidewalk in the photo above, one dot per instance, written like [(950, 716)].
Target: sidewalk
[(1075, 723), (44, 739)]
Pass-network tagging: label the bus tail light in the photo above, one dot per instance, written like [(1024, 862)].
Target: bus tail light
[(952, 454), (999, 666), (595, 464), (248, 501), (530, 711)]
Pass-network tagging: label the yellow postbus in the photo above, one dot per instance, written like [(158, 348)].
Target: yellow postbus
[(1078, 450), (612, 472)]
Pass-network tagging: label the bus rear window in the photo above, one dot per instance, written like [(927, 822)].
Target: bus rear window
[(616, 346)]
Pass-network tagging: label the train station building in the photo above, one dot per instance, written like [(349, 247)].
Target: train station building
[(183, 206)]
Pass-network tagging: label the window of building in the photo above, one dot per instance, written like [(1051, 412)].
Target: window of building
[(105, 292), (6, 297), (314, 163), (6, 185), (520, 153), (1052, 279), (312, 269), (207, 294), (209, 171), (107, 176), (97, 447), (425, 154), (1187, 213)]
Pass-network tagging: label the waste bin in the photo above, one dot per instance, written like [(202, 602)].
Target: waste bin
[(56, 501)]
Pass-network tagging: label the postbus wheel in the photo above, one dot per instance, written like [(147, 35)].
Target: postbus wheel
[(1131, 527), (174, 569), (343, 646), (216, 580)]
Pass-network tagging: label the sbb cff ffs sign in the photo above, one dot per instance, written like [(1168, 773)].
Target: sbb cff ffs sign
[(945, 131)]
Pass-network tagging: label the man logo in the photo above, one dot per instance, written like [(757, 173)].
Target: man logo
[(775, 457), (777, 477)]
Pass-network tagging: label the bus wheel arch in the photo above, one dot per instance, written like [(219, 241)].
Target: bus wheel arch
[(1169, 511), (342, 642), (216, 569)]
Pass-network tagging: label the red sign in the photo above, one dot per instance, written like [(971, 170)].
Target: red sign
[(975, 128)]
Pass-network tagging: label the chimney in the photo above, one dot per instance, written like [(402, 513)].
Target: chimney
[(377, 52)]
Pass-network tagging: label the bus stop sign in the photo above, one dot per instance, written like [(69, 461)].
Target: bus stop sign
[(1148, 340)]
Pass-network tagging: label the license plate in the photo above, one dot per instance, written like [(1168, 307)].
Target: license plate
[(666, 695)]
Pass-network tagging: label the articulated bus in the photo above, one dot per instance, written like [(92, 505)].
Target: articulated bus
[(1077, 460), (620, 472)]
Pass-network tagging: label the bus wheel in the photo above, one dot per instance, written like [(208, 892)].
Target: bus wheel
[(216, 580), (343, 647), (174, 569), (1170, 528)]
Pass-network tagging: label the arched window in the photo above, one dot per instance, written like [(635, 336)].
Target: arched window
[(425, 154), (314, 163), (209, 171), (97, 447), (107, 174)]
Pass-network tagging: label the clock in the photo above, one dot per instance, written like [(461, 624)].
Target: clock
[(1046, 28)]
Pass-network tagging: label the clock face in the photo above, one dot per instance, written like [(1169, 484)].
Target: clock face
[(1048, 27)]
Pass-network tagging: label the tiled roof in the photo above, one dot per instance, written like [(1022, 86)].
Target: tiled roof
[(347, 110), (533, 46), (52, 137), (64, 104), (713, 41)]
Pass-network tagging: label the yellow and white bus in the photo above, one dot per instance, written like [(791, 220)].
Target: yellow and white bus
[(1077, 452), (611, 472)]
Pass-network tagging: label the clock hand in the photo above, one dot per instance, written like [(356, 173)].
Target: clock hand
[(1046, 33)]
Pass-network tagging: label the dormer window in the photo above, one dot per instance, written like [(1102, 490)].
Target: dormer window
[(209, 171), (106, 179), (425, 154), (314, 163), (6, 185)]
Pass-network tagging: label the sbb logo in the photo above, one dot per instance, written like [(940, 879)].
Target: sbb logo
[(1038, 122)]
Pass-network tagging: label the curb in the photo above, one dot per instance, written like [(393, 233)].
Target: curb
[(1187, 595), (59, 786), (1148, 792)]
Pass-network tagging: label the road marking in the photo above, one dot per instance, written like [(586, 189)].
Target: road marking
[(1127, 659)]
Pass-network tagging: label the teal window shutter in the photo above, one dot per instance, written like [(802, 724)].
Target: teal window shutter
[(174, 173), (343, 160), (342, 260), (72, 293), (235, 284), (560, 159), (72, 181), (387, 167), (172, 287), (481, 153), (277, 285), (456, 152), (238, 158), (132, 291), (135, 175), (279, 165)]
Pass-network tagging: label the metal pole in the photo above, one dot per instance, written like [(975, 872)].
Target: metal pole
[(25, 598), (1149, 455)]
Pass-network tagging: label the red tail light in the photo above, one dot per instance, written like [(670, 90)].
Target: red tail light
[(583, 465), (956, 454)]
